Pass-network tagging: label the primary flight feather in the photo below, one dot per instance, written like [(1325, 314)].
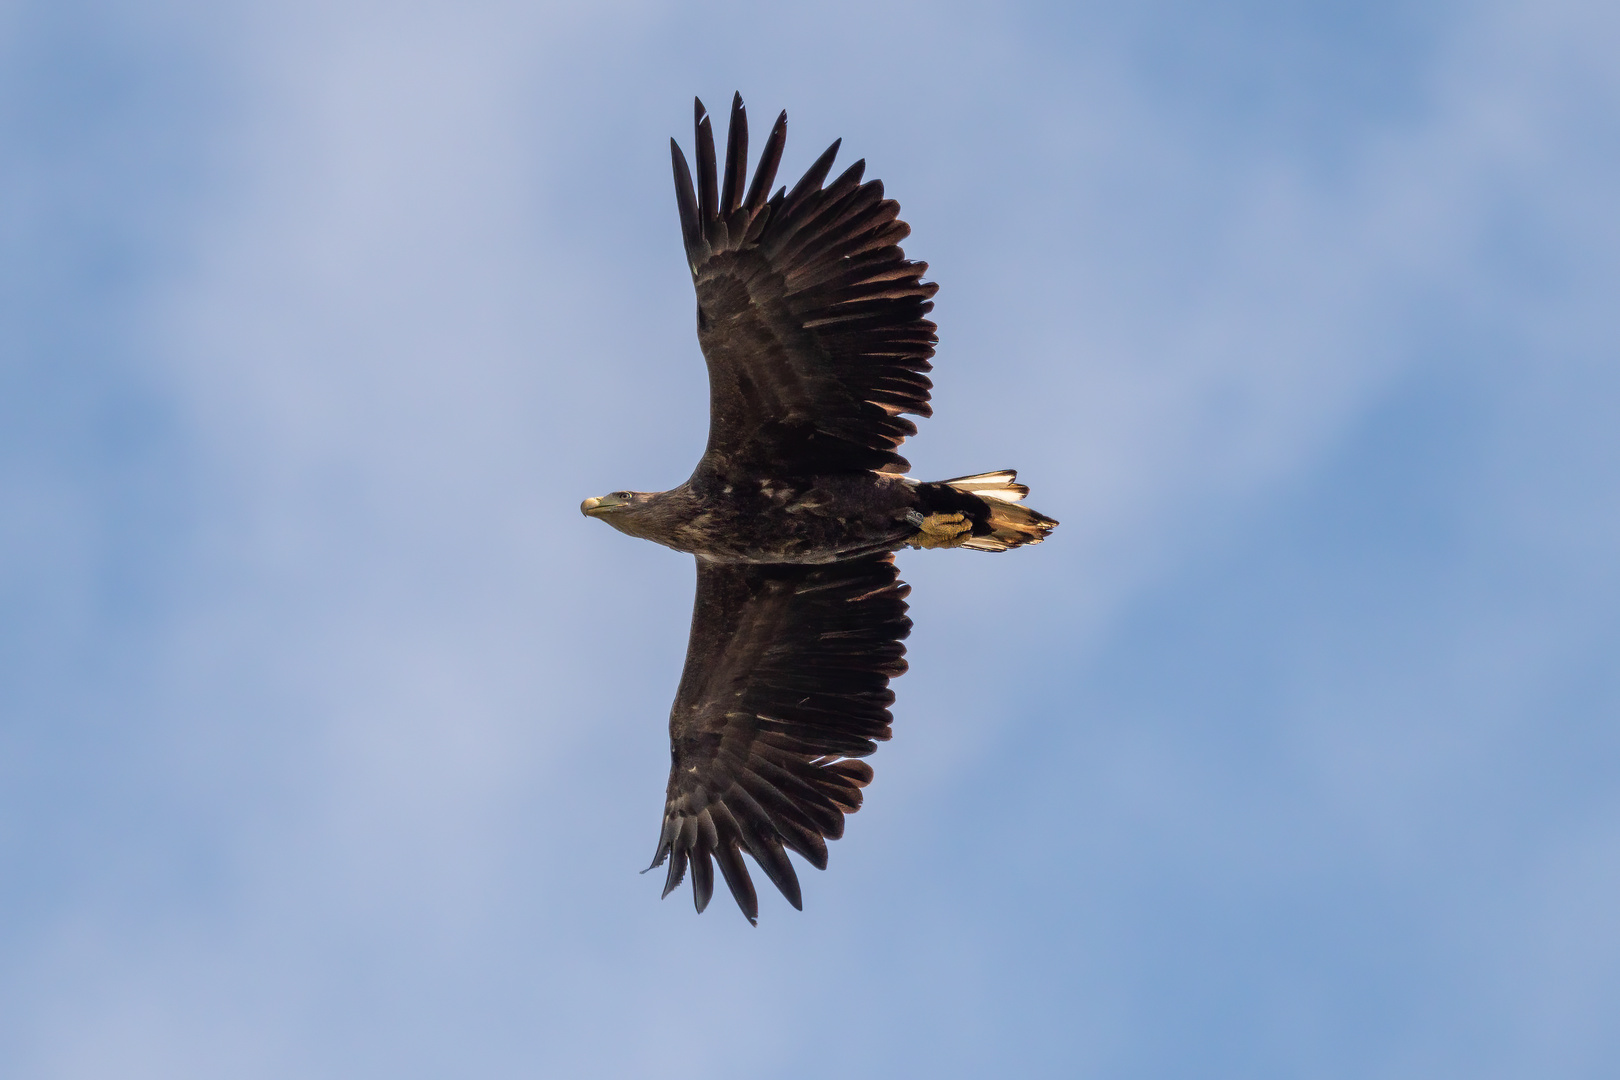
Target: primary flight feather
[(812, 323)]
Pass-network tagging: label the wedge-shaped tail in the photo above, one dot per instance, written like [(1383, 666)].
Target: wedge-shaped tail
[(1011, 524)]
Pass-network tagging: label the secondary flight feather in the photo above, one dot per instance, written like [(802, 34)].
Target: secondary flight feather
[(812, 324)]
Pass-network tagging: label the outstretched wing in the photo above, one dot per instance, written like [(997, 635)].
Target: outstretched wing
[(786, 683), (809, 315)]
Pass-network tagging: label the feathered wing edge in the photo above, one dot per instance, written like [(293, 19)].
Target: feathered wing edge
[(846, 278), (786, 685), (718, 218)]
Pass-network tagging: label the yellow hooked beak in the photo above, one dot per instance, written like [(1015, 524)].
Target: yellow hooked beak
[(599, 505)]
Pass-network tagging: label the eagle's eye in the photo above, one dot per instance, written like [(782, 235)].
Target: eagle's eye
[(625, 495)]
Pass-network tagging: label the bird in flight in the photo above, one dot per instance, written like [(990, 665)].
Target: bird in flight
[(811, 321)]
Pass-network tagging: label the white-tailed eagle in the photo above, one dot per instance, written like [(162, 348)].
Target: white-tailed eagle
[(811, 320)]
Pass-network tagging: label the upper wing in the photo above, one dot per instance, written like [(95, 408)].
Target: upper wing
[(809, 315), (786, 680)]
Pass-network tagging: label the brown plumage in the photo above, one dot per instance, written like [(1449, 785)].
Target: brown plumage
[(812, 323)]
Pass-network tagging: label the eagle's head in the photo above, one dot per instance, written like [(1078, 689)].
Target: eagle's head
[(605, 506), (619, 509)]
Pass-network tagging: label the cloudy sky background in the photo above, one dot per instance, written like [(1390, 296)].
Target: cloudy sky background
[(332, 737)]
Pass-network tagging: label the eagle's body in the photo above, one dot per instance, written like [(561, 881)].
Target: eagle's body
[(811, 322), (738, 516)]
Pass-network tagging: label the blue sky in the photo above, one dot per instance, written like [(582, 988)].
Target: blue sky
[(332, 737)]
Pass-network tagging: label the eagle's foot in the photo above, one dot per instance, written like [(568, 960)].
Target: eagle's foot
[(940, 530)]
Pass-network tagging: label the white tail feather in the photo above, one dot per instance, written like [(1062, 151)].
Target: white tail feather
[(991, 485)]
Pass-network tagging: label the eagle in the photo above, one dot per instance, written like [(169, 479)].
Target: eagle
[(811, 321)]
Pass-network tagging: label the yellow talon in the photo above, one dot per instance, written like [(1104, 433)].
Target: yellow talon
[(942, 531)]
